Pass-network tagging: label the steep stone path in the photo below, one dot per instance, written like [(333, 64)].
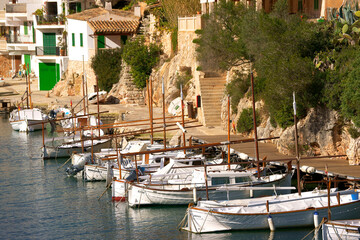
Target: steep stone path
[(212, 91)]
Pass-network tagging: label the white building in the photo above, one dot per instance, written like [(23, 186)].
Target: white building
[(50, 23), (17, 40), (96, 29)]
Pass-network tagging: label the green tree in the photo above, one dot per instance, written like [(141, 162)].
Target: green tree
[(141, 58), (107, 67), (280, 46), (350, 97)]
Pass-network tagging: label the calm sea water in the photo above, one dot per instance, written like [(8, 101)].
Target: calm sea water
[(38, 201)]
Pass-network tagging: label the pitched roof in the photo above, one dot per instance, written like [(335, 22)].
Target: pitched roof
[(114, 26)]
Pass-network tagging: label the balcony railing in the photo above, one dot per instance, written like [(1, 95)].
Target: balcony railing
[(19, 39), (47, 51), (50, 20), (16, 8)]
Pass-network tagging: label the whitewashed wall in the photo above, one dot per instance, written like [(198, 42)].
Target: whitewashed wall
[(76, 53)]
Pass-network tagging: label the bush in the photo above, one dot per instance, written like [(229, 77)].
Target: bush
[(107, 67), (354, 133), (237, 89), (245, 123), (350, 98), (141, 58)]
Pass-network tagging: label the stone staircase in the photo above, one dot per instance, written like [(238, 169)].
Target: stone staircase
[(212, 88)]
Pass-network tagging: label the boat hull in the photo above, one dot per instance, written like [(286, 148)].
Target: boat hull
[(203, 220), (56, 152), (345, 229), (184, 194)]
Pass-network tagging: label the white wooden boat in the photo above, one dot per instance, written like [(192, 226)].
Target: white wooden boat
[(93, 97), (341, 229), (222, 185), (68, 148), (283, 211), (25, 120), (154, 164)]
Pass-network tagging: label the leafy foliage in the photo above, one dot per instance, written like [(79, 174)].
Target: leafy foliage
[(350, 97), (107, 66), (141, 58), (280, 46), (175, 8), (237, 89), (245, 123), (354, 133)]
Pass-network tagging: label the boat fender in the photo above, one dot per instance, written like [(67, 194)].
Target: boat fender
[(271, 223), (308, 169), (194, 195), (316, 219)]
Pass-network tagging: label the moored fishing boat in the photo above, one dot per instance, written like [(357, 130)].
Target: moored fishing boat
[(283, 211), (341, 229), (66, 149), (218, 184), (24, 120)]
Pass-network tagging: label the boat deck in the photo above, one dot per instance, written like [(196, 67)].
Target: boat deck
[(336, 166)]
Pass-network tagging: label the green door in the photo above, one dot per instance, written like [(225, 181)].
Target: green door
[(78, 7), (49, 43), (101, 41), (26, 28), (49, 75), (27, 61)]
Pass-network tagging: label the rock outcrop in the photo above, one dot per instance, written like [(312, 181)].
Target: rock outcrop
[(125, 90)]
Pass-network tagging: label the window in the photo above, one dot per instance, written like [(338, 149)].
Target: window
[(101, 41), (219, 180), (242, 179), (316, 4), (81, 40), (73, 39), (300, 6)]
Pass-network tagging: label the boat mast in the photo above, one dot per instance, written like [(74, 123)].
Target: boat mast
[(182, 116), (255, 127), (228, 108), (29, 93), (148, 83), (296, 147), (163, 98)]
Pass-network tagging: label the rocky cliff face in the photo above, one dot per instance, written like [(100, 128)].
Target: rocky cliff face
[(322, 132), (125, 90)]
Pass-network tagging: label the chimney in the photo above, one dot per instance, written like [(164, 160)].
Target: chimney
[(108, 5), (137, 11)]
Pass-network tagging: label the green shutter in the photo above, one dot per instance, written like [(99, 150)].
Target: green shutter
[(27, 61), (81, 40), (78, 7), (73, 39), (300, 6), (124, 38), (316, 4), (33, 32), (49, 75), (26, 28), (49, 43), (101, 41)]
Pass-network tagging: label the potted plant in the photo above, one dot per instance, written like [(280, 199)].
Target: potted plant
[(62, 43), (62, 18), (39, 13)]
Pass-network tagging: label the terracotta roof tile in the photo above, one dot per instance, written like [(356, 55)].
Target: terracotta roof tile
[(114, 26)]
